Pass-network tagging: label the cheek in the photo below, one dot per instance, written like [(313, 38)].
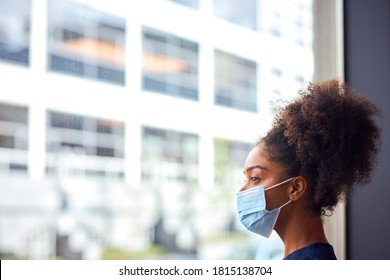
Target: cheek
[(275, 199), (271, 204), (269, 201)]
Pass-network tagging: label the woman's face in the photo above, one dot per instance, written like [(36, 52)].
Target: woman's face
[(258, 170)]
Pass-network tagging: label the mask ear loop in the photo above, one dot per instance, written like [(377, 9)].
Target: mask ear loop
[(285, 204), (277, 185)]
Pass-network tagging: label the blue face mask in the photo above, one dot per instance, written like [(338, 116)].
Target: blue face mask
[(252, 210)]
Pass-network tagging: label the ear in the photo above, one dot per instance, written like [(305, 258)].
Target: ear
[(298, 188)]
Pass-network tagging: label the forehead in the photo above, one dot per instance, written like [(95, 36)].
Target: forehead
[(257, 157)]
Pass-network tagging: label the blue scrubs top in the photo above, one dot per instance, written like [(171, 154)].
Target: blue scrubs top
[(315, 251)]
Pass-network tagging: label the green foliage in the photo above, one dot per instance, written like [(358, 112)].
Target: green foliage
[(153, 252)]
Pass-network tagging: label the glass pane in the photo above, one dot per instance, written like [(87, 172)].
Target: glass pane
[(169, 156), (237, 11), (13, 127), (15, 31), (116, 181), (235, 82), (80, 145), (190, 3), (13, 138), (229, 158), (170, 64), (86, 42), (289, 20)]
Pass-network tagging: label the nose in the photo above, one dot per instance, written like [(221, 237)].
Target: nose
[(245, 186)]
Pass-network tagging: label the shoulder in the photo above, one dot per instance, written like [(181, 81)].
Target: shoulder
[(315, 251)]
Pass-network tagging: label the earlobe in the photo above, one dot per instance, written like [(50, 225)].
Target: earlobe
[(298, 188)]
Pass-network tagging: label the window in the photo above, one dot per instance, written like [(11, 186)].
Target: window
[(275, 23), (284, 86), (85, 42), (230, 158), (235, 82), (299, 81), (271, 17), (13, 137), (236, 11), (190, 3), (302, 23), (169, 156), (276, 83), (15, 31), (95, 145), (170, 64), (288, 19)]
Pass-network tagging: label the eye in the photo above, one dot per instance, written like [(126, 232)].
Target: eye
[(255, 179), (252, 179)]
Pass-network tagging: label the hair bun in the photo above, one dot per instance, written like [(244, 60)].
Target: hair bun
[(334, 134)]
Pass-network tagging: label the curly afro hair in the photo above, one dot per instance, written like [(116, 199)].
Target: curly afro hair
[(330, 136)]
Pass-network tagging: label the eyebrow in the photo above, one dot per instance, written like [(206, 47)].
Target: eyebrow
[(254, 167)]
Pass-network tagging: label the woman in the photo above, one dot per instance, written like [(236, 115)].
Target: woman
[(320, 147)]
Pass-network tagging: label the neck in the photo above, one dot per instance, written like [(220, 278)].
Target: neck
[(301, 232)]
